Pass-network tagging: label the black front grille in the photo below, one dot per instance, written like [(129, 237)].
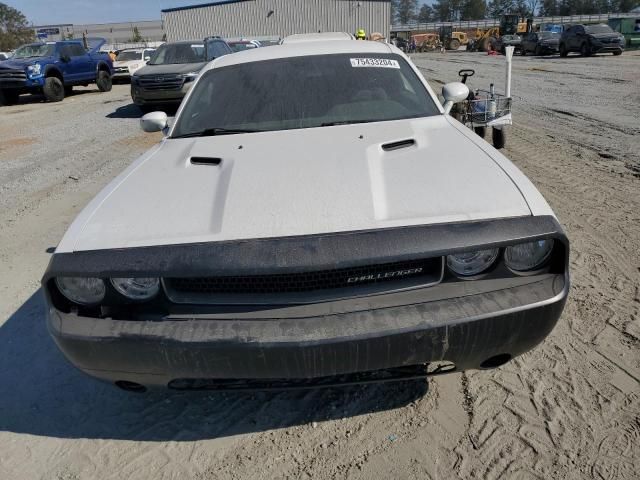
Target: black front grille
[(310, 281), (13, 75), (161, 82)]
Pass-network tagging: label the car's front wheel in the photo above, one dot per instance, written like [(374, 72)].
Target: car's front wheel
[(563, 50), (618, 52), (539, 51), (585, 51), (53, 89), (104, 81)]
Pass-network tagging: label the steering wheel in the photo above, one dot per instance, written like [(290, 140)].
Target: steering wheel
[(466, 72)]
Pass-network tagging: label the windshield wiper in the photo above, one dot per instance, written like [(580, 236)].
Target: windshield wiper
[(347, 122), (211, 132)]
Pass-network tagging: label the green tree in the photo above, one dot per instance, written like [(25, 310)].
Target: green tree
[(500, 7), (406, 10), (473, 10), (426, 14), (136, 37), (14, 28)]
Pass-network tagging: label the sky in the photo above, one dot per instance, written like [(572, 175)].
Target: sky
[(42, 12)]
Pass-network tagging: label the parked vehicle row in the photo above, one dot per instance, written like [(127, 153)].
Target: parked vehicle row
[(583, 39), (158, 76)]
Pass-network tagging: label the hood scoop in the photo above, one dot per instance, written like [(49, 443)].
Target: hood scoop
[(212, 161), (389, 147)]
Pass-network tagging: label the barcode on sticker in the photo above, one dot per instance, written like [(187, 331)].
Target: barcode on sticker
[(374, 62)]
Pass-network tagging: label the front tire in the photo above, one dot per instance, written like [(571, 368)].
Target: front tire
[(53, 89), (619, 52), (585, 51), (454, 44), (563, 50), (499, 138), (104, 81), (538, 51)]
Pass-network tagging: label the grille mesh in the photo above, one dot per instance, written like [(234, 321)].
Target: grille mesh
[(309, 281)]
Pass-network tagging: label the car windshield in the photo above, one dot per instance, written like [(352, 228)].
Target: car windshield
[(173, 53), (127, 56), (598, 29), (304, 92), (34, 50)]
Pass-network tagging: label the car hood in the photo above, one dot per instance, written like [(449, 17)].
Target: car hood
[(301, 182), (20, 64), (604, 36), (173, 68), (127, 63)]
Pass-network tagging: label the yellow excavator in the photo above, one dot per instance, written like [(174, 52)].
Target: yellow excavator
[(510, 24)]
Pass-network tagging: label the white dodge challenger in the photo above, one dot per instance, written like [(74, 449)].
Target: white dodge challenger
[(312, 217)]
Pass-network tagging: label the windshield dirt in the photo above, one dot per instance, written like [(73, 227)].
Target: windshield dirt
[(37, 50), (304, 92), (169, 54)]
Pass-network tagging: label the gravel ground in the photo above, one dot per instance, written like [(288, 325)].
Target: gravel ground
[(568, 409)]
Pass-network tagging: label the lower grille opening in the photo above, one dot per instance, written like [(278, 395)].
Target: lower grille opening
[(411, 372), (427, 270)]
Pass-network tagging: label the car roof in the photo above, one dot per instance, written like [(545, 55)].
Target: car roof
[(182, 42), (302, 49), (316, 37)]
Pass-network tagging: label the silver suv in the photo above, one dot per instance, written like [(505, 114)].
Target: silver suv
[(171, 71)]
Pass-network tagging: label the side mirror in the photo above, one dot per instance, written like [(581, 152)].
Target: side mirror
[(454, 92), (146, 59), (154, 122)]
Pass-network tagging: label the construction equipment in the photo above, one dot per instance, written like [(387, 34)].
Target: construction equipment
[(427, 42), (452, 40), (509, 25)]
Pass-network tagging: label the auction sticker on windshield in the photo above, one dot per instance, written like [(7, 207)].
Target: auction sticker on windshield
[(374, 62)]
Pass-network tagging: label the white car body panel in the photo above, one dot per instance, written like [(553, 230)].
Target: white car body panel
[(305, 181)]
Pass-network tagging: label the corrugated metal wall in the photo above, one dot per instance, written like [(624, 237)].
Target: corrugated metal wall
[(252, 18)]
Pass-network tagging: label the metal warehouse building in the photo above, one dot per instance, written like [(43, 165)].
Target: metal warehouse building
[(276, 18)]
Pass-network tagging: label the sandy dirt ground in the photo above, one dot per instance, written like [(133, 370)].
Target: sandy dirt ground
[(568, 409)]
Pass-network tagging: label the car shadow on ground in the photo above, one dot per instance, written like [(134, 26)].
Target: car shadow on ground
[(126, 111), (44, 395), (132, 111), (28, 99)]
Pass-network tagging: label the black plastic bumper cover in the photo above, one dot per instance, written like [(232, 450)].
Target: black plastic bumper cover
[(466, 331)]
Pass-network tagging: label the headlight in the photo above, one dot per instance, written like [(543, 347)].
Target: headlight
[(472, 263), (528, 256), (141, 288), (190, 77), (34, 70), (82, 290), (133, 67)]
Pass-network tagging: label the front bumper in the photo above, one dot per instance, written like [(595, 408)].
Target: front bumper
[(141, 96), (606, 48), (549, 49), (466, 330)]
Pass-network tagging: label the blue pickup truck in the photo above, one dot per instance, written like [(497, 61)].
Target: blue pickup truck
[(53, 68)]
